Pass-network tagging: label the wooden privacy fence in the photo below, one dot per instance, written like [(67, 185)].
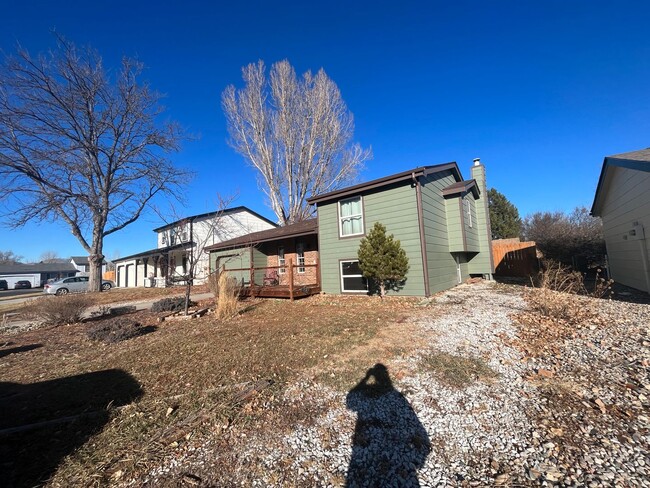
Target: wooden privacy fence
[(514, 258)]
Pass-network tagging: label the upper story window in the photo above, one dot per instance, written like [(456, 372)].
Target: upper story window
[(351, 217)]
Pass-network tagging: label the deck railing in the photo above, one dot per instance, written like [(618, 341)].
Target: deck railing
[(289, 266)]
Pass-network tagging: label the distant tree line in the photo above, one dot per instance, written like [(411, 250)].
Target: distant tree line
[(574, 238)]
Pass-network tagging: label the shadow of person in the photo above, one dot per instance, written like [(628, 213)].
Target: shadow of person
[(41, 423), (389, 443)]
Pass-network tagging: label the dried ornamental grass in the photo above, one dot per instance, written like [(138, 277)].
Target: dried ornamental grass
[(228, 297)]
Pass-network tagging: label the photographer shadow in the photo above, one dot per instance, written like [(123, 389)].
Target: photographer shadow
[(389, 444), (41, 423)]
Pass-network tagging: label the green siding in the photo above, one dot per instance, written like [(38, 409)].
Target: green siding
[(454, 224), (442, 265), (481, 263), (471, 233), (395, 207), (232, 259)]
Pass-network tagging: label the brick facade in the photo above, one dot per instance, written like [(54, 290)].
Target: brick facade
[(310, 274)]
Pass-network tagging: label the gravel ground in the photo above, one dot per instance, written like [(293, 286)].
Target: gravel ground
[(578, 417)]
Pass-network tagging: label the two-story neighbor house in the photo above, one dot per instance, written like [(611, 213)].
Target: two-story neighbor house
[(181, 243), (441, 220)]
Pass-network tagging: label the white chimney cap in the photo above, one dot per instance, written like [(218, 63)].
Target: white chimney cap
[(477, 161)]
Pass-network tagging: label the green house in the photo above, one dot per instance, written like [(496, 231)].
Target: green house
[(441, 220)]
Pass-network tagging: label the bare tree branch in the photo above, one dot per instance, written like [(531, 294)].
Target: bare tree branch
[(295, 132), (81, 146)]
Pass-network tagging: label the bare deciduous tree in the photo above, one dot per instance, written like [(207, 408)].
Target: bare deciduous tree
[(49, 257), (296, 132), (9, 257), (200, 234), (80, 145), (571, 238)]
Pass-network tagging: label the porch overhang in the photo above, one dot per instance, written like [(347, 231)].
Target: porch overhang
[(160, 251)]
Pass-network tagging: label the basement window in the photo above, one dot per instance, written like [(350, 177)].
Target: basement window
[(351, 278)]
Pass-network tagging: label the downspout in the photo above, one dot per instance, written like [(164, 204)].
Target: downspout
[(423, 244)]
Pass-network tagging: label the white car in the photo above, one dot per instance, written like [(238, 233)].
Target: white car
[(72, 285)]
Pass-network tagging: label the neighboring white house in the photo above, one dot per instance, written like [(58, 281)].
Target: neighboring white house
[(623, 202), (181, 243), (83, 265)]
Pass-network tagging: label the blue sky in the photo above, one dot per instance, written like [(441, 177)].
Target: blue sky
[(540, 91)]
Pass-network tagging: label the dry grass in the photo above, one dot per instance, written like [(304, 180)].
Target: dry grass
[(179, 383), (553, 317), (456, 371), (228, 297)]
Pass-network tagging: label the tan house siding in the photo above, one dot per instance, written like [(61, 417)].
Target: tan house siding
[(626, 203)]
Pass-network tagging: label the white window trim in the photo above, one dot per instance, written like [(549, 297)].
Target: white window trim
[(349, 276), (469, 211), (300, 261), (281, 261), (347, 217)]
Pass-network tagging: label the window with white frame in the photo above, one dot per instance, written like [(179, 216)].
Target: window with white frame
[(351, 217), (300, 256), (281, 260), (352, 279)]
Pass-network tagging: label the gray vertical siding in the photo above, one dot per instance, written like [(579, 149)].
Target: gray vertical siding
[(394, 206), (442, 265), (627, 201)]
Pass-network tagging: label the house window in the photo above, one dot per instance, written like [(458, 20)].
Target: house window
[(184, 264), (468, 211), (163, 238), (281, 260), (351, 278), (300, 256), (351, 217)]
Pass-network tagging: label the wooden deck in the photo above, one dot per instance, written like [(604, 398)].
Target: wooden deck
[(279, 291)]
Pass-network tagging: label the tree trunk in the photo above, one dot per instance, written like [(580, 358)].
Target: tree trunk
[(95, 279), (382, 288)]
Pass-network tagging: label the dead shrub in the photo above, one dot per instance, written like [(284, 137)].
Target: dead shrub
[(558, 277), (171, 304), (116, 329), (556, 306), (59, 310), (228, 296)]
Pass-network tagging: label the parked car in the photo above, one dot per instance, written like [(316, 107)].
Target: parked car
[(3, 285), (72, 285), (22, 285)]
